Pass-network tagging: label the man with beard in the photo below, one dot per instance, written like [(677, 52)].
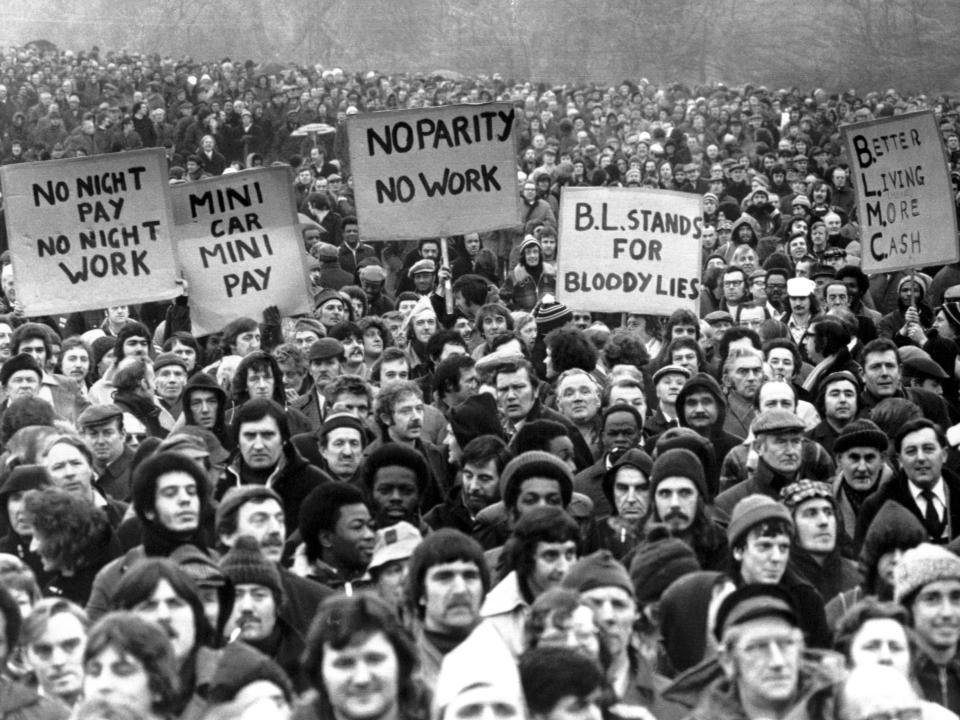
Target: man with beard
[(257, 512), (446, 586), (170, 495), (908, 323), (678, 490), (53, 637), (482, 461), (860, 450), (257, 599), (337, 530), (395, 477), (620, 430), (401, 413), (779, 445), (742, 377), (837, 402)]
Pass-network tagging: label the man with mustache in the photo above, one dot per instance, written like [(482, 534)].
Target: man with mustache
[(401, 415), (678, 490), (447, 582), (351, 338), (257, 599), (337, 530), (257, 511), (702, 407), (925, 485)]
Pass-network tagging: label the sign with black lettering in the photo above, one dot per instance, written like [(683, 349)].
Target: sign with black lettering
[(237, 243), (91, 232), (904, 195), (633, 250), (434, 172)]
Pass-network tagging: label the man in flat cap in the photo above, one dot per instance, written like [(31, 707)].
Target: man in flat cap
[(101, 427), (761, 653), (778, 443)]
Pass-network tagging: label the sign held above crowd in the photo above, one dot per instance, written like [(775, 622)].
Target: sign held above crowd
[(91, 232), (905, 198), (434, 172), (237, 243), (634, 250)]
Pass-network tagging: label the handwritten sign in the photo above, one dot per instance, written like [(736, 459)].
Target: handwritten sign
[(904, 196), (434, 171), (633, 250), (89, 233), (237, 244)]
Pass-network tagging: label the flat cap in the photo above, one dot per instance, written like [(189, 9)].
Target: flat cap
[(775, 421), (754, 601), (325, 348), (671, 370), (373, 273), (422, 266), (924, 367), (97, 414)]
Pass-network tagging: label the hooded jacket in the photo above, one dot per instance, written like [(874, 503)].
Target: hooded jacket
[(723, 442), (202, 381)]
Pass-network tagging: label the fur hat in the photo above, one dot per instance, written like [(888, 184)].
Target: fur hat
[(922, 565), (23, 361)]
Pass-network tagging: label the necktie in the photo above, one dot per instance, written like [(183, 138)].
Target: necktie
[(931, 518)]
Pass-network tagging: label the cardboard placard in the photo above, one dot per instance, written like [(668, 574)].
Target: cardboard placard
[(633, 250), (89, 233), (434, 172), (905, 199), (237, 242)]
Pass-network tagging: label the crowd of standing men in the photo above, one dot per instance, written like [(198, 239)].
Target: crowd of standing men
[(444, 494)]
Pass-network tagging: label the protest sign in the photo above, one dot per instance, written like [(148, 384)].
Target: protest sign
[(237, 243), (633, 250), (91, 232), (434, 172), (904, 195)]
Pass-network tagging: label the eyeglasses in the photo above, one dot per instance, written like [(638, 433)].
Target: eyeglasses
[(732, 283)]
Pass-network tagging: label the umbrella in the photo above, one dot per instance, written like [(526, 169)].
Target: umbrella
[(449, 75), (312, 129)]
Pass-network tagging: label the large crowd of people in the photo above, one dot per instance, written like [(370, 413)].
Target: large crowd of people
[(446, 495)]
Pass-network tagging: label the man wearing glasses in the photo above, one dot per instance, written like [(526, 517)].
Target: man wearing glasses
[(761, 654), (734, 284)]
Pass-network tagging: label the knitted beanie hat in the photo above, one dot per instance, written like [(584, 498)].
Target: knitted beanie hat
[(245, 563), (678, 462), (534, 463), (235, 497), (922, 565), (860, 433), (551, 315), (894, 527), (659, 561), (751, 510), (241, 665), (599, 569)]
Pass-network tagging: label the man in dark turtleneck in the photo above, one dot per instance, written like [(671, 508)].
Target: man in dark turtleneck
[(257, 599), (170, 496), (447, 581), (779, 445)]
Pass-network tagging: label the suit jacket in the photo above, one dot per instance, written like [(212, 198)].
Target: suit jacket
[(898, 490)]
